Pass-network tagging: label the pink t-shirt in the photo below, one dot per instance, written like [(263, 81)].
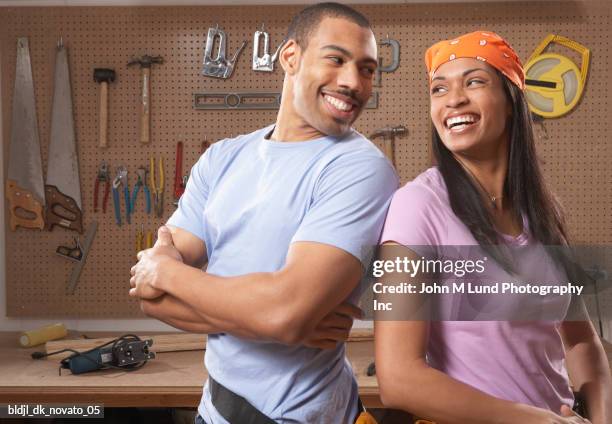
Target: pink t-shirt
[(513, 360)]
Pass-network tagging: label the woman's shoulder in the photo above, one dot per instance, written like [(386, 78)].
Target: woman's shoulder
[(427, 189), (418, 215)]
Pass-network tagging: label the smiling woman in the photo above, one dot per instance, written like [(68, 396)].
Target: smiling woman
[(487, 189)]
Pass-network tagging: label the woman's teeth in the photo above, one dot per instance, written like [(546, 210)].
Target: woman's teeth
[(460, 121), (338, 104)]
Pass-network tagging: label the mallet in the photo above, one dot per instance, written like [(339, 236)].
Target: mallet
[(103, 76)]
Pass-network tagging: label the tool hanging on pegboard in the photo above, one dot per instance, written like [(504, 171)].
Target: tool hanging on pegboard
[(264, 62), (395, 59), (103, 76), (78, 254), (251, 101), (141, 181), (143, 240), (103, 178), (25, 190), (388, 135), (63, 186), (220, 66), (121, 178), (156, 181), (145, 63), (180, 180), (554, 83)]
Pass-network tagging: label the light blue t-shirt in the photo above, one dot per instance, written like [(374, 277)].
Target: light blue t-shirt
[(248, 199)]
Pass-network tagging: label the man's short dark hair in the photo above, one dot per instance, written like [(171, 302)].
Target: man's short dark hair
[(306, 22)]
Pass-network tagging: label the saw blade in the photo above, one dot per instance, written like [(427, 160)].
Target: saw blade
[(63, 163), (25, 164)]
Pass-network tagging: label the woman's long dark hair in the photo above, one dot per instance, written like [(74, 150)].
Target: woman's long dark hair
[(524, 186)]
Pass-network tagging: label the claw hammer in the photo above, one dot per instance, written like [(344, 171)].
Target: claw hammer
[(145, 63), (388, 134)]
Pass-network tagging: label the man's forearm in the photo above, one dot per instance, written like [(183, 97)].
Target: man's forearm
[(254, 304), (178, 314)]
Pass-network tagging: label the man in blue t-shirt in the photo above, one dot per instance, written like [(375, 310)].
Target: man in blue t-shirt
[(284, 217)]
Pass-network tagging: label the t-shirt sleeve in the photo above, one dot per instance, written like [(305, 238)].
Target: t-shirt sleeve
[(349, 205), (414, 217), (189, 215)]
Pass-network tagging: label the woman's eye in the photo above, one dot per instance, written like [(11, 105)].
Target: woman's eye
[(437, 89), (475, 82)]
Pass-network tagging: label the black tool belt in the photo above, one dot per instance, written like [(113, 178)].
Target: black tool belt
[(234, 408)]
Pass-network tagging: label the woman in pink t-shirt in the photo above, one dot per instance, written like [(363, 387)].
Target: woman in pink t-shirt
[(486, 190)]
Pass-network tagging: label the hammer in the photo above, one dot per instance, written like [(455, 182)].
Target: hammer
[(145, 63), (103, 76), (388, 134)]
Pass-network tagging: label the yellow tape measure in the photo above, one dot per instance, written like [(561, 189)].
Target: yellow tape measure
[(554, 84)]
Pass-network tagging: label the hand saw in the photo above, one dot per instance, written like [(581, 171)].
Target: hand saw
[(63, 189), (24, 185)]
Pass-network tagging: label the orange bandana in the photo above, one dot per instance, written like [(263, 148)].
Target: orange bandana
[(482, 45)]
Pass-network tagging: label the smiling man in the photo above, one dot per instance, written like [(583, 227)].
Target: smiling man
[(284, 217)]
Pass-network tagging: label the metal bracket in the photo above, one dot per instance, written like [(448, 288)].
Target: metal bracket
[(395, 59), (250, 101), (265, 62), (220, 66)]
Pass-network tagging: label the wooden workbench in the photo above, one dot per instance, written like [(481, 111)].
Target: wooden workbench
[(172, 379)]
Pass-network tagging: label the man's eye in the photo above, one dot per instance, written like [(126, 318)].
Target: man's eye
[(337, 60), (368, 71)]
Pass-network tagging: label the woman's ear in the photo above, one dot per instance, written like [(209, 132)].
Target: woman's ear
[(289, 57)]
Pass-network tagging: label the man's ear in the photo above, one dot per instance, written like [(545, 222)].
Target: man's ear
[(289, 57)]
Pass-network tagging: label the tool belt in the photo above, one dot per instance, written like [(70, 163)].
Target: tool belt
[(236, 409)]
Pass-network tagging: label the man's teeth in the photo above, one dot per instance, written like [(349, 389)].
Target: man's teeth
[(463, 120), (338, 104)]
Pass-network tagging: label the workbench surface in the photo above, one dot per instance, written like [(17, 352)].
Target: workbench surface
[(172, 379)]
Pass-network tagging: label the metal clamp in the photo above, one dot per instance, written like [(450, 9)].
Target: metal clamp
[(395, 59), (265, 62), (220, 66)]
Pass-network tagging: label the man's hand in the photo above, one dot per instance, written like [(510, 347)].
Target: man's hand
[(334, 328), (146, 273)]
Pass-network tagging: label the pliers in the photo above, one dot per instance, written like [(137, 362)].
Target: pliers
[(141, 182), (158, 188), (119, 179), (103, 177)]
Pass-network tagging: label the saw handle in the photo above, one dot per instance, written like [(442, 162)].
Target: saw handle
[(103, 114), (58, 204), (20, 199), (145, 116)]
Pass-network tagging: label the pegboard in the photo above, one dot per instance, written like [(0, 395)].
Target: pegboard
[(576, 153)]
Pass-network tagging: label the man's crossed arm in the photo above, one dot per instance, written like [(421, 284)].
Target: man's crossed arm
[(300, 304)]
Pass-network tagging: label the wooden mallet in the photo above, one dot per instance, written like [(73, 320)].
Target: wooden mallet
[(103, 76)]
